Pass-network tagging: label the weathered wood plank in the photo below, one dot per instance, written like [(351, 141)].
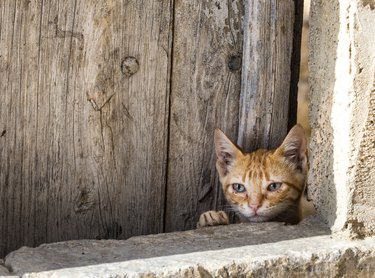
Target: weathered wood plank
[(207, 53), (266, 102), (83, 148)]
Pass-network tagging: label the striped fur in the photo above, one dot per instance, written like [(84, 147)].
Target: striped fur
[(256, 171)]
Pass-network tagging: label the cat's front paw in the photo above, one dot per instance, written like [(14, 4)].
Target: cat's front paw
[(213, 218)]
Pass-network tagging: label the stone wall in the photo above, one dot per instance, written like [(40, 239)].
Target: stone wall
[(342, 70)]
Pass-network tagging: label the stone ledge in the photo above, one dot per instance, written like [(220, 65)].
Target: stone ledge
[(262, 249), (3, 270)]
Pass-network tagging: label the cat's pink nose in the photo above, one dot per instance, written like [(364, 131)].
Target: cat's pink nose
[(255, 207)]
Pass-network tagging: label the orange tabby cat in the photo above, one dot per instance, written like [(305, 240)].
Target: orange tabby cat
[(265, 185)]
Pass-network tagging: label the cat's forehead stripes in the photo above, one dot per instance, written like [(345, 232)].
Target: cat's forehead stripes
[(257, 163), (244, 176)]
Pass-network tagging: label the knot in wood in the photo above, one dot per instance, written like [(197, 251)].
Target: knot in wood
[(234, 62), (129, 66)]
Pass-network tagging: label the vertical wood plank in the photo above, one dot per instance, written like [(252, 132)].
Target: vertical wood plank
[(267, 96), (83, 148), (207, 50)]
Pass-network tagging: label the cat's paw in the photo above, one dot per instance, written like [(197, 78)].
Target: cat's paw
[(213, 218)]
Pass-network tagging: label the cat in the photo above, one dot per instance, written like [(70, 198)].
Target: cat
[(265, 185)]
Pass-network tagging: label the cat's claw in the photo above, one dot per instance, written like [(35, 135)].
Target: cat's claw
[(213, 218)]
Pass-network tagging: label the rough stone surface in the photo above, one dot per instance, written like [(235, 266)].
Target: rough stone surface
[(251, 250), (88, 252), (285, 259), (3, 270), (342, 70), (362, 214)]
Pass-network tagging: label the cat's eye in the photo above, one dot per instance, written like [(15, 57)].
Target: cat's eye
[(274, 186), (239, 188)]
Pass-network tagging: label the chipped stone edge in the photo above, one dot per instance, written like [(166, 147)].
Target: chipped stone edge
[(320, 255), (4, 271)]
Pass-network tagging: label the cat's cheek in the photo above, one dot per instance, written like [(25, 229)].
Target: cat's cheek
[(268, 211), (236, 199), (275, 210)]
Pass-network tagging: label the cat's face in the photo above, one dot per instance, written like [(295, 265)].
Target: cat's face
[(263, 184)]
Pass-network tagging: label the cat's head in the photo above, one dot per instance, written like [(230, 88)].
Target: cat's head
[(266, 183)]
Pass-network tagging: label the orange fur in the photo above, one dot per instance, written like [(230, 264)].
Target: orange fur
[(258, 173)]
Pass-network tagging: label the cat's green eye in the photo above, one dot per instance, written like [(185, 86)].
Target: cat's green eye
[(239, 188), (274, 186)]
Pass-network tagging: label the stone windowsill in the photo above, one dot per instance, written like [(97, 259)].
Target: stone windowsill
[(252, 249)]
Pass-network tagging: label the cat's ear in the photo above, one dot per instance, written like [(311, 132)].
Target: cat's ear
[(226, 152), (294, 148)]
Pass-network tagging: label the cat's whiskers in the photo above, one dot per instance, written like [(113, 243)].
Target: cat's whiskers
[(228, 208)]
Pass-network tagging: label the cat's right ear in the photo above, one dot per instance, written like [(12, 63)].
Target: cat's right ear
[(226, 152), (294, 148)]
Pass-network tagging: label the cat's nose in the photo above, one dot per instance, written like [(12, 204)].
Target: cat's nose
[(254, 207)]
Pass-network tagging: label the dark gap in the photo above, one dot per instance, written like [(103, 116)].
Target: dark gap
[(172, 32), (295, 63)]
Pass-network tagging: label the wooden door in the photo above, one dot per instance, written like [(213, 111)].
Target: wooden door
[(107, 110)]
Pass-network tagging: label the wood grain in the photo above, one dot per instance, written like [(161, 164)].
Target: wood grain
[(84, 148), (108, 108), (207, 49), (267, 72)]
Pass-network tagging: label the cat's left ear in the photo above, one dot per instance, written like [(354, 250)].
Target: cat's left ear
[(226, 151), (294, 148)]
